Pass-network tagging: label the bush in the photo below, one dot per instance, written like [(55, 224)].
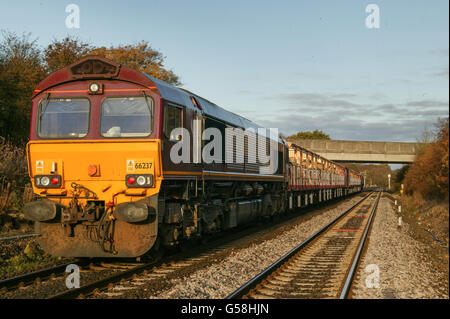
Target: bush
[(14, 180), (428, 175), (398, 179)]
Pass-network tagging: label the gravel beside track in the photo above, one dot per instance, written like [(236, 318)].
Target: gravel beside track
[(406, 267), (219, 279)]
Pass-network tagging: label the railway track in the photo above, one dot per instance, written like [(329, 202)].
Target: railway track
[(129, 272), (99, 285), (32, 277), (17, 237), (59, 271), (323, 266), (117, 283)]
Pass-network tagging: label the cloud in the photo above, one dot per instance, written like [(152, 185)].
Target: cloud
[(423, 113), (346, 129), (344, 95), (320, 100), (341, 116), (387, 107), (315, 104), (427, 103)]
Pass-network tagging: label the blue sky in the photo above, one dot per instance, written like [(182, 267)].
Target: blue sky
[(295, 65)]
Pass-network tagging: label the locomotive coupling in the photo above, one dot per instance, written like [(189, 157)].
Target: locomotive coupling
[(41, 210)]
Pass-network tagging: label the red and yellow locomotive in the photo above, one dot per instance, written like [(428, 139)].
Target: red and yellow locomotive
[(104, 160)]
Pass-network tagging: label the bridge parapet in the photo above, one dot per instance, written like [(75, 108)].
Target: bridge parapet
[(362, 151)]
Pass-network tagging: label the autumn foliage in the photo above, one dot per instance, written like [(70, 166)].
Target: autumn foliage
[(141, 57), (20, 70), (14, 180), (307, 135), (23, 64), (428, 175), (59, 54)]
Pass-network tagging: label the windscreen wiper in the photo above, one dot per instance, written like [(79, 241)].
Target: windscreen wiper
[(150, 107), (44, 107)]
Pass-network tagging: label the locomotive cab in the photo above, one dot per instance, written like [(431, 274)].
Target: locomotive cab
[(94, 160)]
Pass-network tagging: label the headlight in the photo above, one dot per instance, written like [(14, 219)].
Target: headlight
[(95, 88), (47, 181), (139, 180)]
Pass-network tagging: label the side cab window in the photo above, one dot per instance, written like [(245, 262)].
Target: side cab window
[(173, 118)]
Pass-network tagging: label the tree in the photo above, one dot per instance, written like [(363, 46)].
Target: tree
[(141, 57), (426, 137), (399, 176), (21, 69), (428, 175), (23, 65), (60, 54), (307, 135)]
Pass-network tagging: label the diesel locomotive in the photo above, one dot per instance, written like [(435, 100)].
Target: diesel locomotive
[(117, 164)]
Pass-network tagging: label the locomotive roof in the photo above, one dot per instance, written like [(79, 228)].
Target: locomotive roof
[(181, 96), (85, 69)]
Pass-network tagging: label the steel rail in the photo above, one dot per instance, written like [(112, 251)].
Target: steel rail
[(348, 282), (17, 237), (102, 283), (249, 285)]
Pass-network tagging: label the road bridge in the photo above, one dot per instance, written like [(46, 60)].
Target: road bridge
[(362, 151)]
